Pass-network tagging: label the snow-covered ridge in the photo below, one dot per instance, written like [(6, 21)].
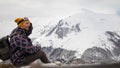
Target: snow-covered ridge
[(77, 32)]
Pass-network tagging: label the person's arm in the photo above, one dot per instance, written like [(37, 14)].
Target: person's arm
[(24, 45)]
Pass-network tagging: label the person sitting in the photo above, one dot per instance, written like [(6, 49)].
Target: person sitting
[(22, 50)]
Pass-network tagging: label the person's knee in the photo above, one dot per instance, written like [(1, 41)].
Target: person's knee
[(41, 53)]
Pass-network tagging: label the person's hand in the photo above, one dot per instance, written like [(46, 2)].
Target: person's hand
[(39, 47)]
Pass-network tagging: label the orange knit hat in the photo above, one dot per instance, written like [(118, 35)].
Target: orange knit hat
[(19, 21)]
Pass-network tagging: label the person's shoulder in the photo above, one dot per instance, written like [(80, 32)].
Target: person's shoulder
[(16, 36), (14, 30)]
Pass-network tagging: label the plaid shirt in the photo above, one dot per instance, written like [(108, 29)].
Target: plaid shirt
[(21, 46)]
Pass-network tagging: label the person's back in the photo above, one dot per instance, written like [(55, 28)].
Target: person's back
[(22, 50)]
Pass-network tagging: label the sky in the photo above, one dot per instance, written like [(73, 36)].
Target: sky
[(10, 9), (45, 9)]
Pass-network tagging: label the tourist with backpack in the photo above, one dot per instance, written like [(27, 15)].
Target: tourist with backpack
[(22, 50)]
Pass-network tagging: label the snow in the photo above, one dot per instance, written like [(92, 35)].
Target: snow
[(41, 24), (93, 27)]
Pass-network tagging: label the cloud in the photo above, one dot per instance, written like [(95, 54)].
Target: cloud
[(36, 5), (118, 12), (104, 6), (42, 8), (53, 8)]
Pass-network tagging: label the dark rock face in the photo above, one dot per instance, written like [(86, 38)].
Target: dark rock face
[(59, 54), (100, 55), (96, 55), (115, 39), (63, 28)]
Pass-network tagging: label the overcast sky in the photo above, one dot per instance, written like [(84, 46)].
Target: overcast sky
[(45, 9), (10, 9)]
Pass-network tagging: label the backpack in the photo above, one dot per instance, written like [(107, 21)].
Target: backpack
[(5, 51), (5, 48)]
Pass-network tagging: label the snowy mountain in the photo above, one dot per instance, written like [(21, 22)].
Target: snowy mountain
[(86, 31)]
